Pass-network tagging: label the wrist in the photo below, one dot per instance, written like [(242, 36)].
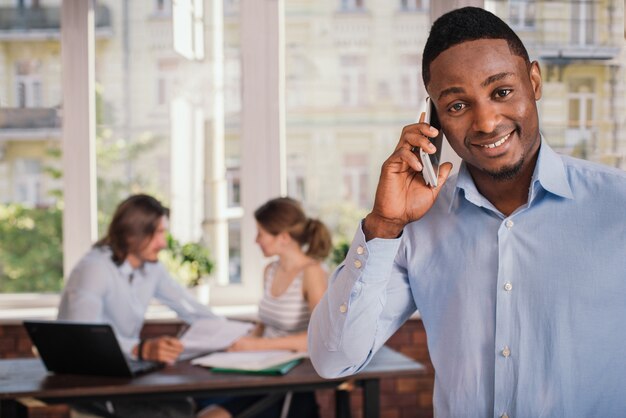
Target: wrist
[(375, 226), (140, 348)]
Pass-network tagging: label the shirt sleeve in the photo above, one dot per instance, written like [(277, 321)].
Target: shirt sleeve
[(367, 300), (177, 298), (84, 294)]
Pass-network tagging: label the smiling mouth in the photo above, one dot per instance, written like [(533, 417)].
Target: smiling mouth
[(497, 143)]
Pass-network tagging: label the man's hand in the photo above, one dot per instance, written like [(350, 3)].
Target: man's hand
[(163, 349), (402, 196)]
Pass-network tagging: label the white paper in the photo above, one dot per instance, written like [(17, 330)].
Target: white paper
[(248, 360), (206, 335)]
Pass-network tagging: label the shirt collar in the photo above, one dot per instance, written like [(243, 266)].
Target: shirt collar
[(549, 175), (126, 269)]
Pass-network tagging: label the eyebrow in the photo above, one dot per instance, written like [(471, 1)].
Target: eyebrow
[(496, 77), (489, 80)]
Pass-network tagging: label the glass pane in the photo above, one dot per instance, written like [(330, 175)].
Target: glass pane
[(232, 136), (355, 93), (31, 258), (158, 122)]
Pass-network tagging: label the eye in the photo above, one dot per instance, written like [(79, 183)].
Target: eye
[(503, 92), (457, 107)]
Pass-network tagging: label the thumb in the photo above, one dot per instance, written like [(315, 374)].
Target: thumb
[(444, 172)]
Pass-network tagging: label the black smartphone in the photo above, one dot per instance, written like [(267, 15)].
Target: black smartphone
[(431, 162)]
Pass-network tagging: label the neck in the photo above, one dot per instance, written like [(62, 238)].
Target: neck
[(292, 260), (134, 261), (505, 195)]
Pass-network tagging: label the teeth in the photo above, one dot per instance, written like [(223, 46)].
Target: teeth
[(497, 143)]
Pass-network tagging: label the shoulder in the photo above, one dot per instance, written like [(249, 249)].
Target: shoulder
[(94, 270), (596, 178), (95, 260), (314, 270)]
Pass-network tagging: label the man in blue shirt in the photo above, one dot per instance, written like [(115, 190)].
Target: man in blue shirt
[(115, 282), (118, 278), (517, 264)]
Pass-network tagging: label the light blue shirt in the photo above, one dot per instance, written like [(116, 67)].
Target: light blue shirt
[(525, 314), (100, 291)]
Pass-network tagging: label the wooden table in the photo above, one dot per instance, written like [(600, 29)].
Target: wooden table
[(29, 378)]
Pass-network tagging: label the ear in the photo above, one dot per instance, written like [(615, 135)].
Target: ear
[(283, 237), (535, 79)]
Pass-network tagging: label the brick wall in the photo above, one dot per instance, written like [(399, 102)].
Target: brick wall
[(400, 397)]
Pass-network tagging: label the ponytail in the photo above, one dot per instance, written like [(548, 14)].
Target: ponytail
[(318, 238)]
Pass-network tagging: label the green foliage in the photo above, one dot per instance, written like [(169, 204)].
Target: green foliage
[(189, 262), (339, 253), (31, 258)]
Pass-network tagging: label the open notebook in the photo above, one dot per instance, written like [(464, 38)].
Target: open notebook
[(275, 362)]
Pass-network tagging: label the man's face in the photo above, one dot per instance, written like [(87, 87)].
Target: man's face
[(149, 250), (485, 98)]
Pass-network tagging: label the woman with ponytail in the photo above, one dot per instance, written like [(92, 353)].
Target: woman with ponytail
[(293, 285)]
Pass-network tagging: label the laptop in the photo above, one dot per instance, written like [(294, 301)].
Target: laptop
[(83, 348)]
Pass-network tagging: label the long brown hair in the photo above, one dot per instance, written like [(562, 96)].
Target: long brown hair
[(134, 220), (284, 214)]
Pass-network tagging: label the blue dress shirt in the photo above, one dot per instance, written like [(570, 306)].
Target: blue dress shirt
[(98, 290), (525, 314)]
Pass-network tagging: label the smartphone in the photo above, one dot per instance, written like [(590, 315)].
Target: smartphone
[(430, 162)]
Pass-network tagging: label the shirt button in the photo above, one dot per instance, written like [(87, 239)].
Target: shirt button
[(509, 223), (504, 416), (343, 308), (508, 286), (357, 264), (360, 250), (506, 352)]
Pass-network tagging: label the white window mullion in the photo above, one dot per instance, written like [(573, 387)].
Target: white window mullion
[(78, 139)]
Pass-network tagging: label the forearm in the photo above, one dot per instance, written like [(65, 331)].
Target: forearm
[(354, 318), (295, 342)]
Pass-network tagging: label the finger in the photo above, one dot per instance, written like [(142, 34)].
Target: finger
[(444, 171), (174, 342), (418, 135), (410, 158)]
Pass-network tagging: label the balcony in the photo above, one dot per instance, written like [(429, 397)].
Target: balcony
[(25, 124), (41, 23)]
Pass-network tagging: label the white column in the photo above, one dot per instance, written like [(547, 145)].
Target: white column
[(263, 120), (78, 141), (262, 135), (215, 221)]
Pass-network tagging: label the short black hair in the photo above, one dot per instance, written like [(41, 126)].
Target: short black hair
[(463, 25)]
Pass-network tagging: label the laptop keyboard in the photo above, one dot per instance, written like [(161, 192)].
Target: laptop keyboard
[(142, 366)]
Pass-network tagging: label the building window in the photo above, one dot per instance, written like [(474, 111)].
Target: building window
[(27, 181), (163, 7), (353, 81), (28, 83), (580, 105), (166, 77), (414, 5), (233, 186), (582, 22), (410, 82), (296, 177), (356, 179), (522, 13), (352, 5), (581, 98), (188, 16)]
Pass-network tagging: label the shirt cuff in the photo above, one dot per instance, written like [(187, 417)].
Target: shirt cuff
[(377, 255)]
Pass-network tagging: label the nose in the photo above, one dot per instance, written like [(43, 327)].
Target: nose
[(485, 117)]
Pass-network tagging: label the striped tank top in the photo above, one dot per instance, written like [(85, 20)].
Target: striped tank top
[(286, 314)]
